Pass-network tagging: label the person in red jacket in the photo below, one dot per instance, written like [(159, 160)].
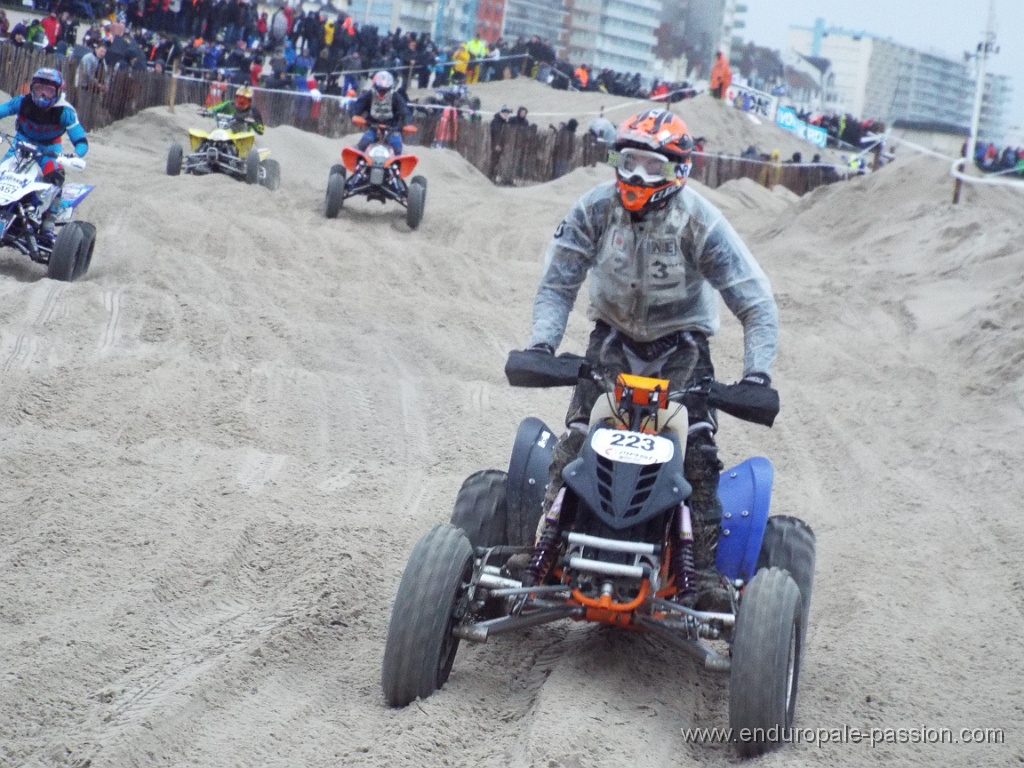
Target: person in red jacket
[(51, 26)]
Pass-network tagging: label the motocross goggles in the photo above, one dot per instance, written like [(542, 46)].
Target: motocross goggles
[(651, 167), (44, 91)]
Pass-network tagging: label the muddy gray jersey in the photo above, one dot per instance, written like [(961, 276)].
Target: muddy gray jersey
[(655, 276), (382, 110)]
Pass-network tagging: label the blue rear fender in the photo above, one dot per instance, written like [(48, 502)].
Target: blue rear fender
[(746, 494), (73, 194)]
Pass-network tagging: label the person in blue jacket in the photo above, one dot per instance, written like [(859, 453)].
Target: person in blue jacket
[(43, 117)]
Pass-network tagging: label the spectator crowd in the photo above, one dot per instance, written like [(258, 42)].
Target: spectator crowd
[(291, 49), (989, 158)]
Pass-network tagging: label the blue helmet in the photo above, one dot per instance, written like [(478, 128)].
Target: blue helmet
[(46, 87)]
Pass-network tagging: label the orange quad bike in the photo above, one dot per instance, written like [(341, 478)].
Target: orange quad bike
[(378, 174), (616, 548)]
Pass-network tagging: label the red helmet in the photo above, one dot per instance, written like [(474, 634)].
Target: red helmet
[(652, 158), (243, 97)]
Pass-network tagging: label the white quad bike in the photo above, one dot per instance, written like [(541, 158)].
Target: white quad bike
[(25, 198)]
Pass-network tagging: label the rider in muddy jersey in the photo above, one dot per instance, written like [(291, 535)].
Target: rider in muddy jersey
[(383, 104), (658, 255)]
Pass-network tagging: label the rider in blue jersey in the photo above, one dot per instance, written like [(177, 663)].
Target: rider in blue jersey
[(43, 117)]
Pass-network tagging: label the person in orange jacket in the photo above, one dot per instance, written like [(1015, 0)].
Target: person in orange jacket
[(721, 76)]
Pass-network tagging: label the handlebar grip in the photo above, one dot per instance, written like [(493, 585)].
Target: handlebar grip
[(749, 402)]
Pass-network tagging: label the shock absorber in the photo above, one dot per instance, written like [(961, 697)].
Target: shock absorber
[(682, 558), (545, 550)]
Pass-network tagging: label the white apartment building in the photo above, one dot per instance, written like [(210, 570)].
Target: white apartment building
[(625, 40), (611, 34), (412, 15), (543, 18), (878, 78), (582, 29)]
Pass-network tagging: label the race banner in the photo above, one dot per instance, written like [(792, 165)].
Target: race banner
[(750, 100), (785, 117)]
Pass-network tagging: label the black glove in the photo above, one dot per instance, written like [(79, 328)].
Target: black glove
[(543, 348), (757, 379)]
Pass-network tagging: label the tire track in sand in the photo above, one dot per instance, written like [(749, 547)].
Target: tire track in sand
[(112, 303), (42, 305)]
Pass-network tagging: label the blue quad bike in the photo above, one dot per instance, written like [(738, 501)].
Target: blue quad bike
[(616, 548)]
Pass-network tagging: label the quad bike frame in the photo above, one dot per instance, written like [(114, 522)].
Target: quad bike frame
[(377, 174), (613, 549), (224, 151)]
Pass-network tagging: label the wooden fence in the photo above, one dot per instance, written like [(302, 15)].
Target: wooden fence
[(529, 155)]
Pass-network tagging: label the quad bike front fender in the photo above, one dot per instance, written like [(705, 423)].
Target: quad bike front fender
[(350, 158), (196, 137), (406, 164), (244, 142), (746, 493), (529, 465)]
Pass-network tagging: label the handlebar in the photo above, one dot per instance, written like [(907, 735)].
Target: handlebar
[(25, 146), (362, 122), (36, 153), (71, 161), (748, 402)]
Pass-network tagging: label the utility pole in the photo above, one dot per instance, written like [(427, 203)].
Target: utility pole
[(985, 48), (439, 26), (470, 29)]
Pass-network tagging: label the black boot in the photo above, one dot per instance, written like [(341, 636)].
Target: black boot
[(565, 451)]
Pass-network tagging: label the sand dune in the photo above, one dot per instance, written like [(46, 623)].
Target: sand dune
[(217, 450)]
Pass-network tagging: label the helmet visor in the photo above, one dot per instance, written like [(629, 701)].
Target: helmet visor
[(44, 91), (650, 167)]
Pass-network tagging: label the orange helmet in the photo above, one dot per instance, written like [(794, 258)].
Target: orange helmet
[(652, 158), (243, 97)]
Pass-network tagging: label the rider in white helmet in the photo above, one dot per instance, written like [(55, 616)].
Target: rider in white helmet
[(383, 104)]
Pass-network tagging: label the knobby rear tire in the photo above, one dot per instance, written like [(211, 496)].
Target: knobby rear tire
[(174, 159), (417, 197), (252, 167), (85, 249), (789, 544), (271, 175), (335, 194), (480, 509), (64, 256)]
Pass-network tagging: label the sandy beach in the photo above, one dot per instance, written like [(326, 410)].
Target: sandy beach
[(217, 450)]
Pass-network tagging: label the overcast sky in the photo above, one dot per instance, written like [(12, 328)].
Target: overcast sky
[(948, 26)]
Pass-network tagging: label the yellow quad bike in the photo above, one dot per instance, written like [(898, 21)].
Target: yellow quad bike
[(225, 150)]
